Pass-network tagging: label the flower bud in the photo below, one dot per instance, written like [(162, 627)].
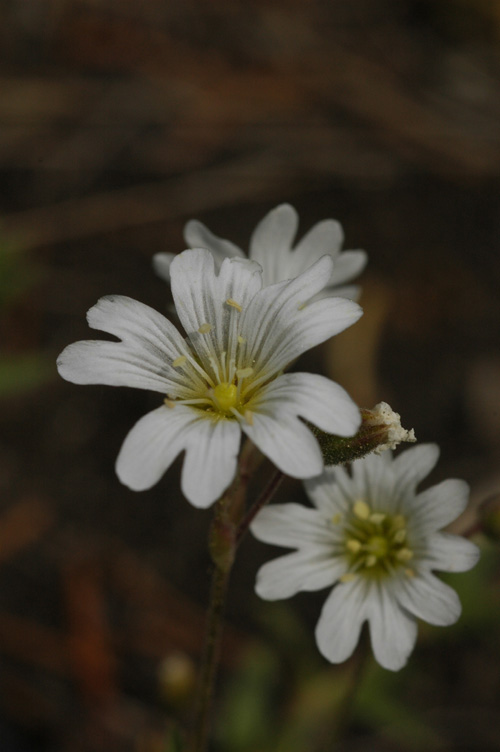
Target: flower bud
[(380, 430)]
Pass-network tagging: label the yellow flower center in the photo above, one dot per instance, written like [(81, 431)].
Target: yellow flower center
[(225, 396), (376, 543)]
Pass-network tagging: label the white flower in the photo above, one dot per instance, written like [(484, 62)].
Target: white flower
[(378, 541), (271, 246), (225, 377)]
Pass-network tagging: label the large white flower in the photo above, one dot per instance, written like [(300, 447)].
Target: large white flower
[(378, 541), (225, 377), (271, 246)]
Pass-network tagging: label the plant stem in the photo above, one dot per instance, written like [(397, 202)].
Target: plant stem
[(262, 500), (215, 622)]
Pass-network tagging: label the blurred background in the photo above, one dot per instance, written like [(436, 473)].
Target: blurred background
[(119, 121)]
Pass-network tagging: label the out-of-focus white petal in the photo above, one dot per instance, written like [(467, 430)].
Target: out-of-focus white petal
[(291, 525), (197, 235), (307, 569), (346, 266), (429, 599), (439, 505), (450, 553), (414, 464), (161, 264), (271, 242), (393, 632), (342, 616)]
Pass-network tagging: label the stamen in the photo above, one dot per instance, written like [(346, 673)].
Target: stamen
[(377, 518), (347, 577), (353, 545), (399, 536), (301, 306), (370, 560), (179, 361), (248, 415), (169, 403), (361, 510), (409, 572), (337, 518), (241, 339), (205, 328), (404, 554), (398, 521), (234, 304), (242, 373)]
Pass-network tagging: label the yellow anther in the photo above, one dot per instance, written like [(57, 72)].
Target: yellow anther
[(169, 403), (337, 518), (347, 577), (399, 536), (361, 510), (234, 304), (179, 361), (370, 560), (377, 518), (353, 545), (241, 339), (242, 373), (409, 572), (301, 306), (249, 417), (225, 396), (205, 328), (398, 521), (404, 554)]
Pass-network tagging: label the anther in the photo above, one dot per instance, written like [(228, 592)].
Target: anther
[(370, 560), (398, 521), (205, 328), (404, 554), (353, 545), (249, 417), (337, 518), (409, 573), (242, 373), (241, 340), (301, 306), (399, 536), (179, 361), (234, 304), (377, 518), (361, 510), (169, 403), (347, 577)]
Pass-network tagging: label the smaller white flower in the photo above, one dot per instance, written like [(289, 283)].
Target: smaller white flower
[(271, 246), (378, 541), (225, 377)]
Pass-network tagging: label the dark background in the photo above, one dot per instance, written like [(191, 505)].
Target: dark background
[(119, 121)]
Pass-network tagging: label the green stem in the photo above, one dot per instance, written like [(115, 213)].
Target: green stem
[(262, 500)]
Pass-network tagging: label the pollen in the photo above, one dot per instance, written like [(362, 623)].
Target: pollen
[(179, 361), (225, 396), (234, 304), (205, 328), (361, 510)]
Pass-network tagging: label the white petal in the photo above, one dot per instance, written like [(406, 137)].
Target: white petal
[(278, 327), (343, 614), (373, 479), (332, 492), (435, 508), (324, 237), (348, 265), (200, 297), (309, 569), (153, 444), (271, 242), (393, 632), (210, 461), (155, 441), (291, 525), (150, 343), (451, 553), (352, 292), (429, 599), (287, 442), (414, 464), (197, 235), (161, 264), (315, 398)]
